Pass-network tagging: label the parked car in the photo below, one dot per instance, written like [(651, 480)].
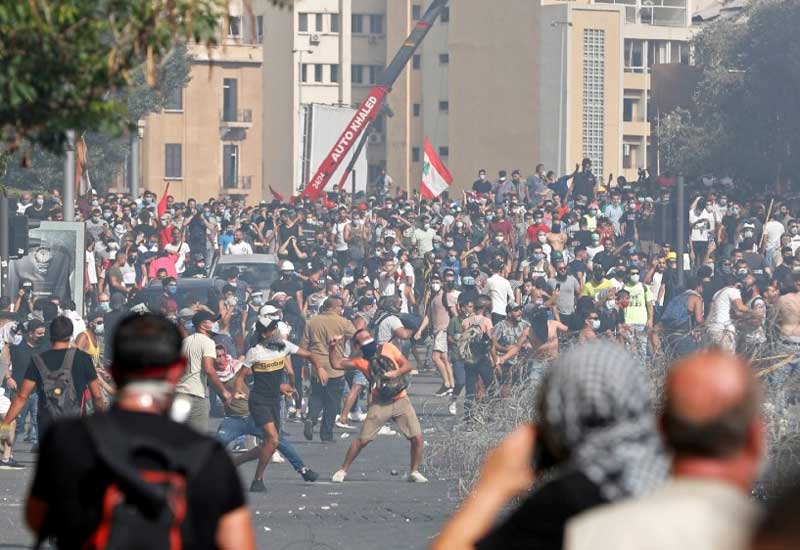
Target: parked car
[(189, 291), (259, 271)]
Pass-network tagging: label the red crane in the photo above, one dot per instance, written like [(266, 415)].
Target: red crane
[(371, 106)]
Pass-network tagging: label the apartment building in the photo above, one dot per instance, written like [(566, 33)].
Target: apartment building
[(207, 142), (552, 81), (332, 52)]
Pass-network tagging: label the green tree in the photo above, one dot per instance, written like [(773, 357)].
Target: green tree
[(746, 107)]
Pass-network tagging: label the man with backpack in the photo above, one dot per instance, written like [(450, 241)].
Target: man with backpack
[(60, 377), (440, 307), (476, 349), (681, 316), (387, 370), (132, 477)]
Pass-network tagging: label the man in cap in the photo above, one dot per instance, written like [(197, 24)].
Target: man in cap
[(267, 362), (200, 352)]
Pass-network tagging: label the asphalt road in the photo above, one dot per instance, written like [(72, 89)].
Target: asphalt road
[(372, 509)]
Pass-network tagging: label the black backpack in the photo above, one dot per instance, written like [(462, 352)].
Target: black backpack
[(143, 508), (61, 399), (385, 388)]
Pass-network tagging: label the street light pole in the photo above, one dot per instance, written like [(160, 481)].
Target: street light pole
[(298, 117), (69, 178), (564, 27)]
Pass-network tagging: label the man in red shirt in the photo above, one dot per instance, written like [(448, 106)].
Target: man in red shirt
[(538, 226), (501, 225), (398, 408)]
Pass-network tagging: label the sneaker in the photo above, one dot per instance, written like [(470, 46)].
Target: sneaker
[(416, 477), (257, 486), (414, 372), (339, 476), (386, 430), (277, 458), (357, 416), (442, 391), (308, 430), (11, 464), (309, 474), (449, 390), (452, 408), (343, 425)]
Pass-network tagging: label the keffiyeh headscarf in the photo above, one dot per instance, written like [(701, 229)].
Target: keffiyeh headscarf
[(596, 414)]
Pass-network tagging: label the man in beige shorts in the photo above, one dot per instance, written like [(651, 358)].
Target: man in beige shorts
[(440, 308), (398, 408)]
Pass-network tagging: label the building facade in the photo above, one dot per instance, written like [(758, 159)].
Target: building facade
[(208, 141)]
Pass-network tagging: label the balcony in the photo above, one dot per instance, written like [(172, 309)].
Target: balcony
[(237, 185), (242, 118)]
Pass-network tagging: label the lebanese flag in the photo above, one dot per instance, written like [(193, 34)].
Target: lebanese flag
[(436, 178), (162, 204)]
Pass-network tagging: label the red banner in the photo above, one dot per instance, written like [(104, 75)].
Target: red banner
[(367, 112)]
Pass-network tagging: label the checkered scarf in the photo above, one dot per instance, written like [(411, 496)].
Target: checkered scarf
[(595, 410)]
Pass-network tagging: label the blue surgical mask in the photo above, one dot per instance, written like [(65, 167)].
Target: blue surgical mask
[(172, 289)]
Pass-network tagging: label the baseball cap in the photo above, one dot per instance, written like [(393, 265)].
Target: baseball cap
[(201, 316), (512, 306), (672, 256), (287, 266), (186, 313)]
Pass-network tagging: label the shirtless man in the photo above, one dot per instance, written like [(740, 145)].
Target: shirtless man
[(788, 314)]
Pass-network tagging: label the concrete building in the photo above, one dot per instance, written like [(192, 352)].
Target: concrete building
[(556, 81), (208, 141)]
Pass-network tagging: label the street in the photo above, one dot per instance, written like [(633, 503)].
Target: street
[(371, 509)]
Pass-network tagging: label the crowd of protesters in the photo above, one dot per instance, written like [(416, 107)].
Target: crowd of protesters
[(483, 288)]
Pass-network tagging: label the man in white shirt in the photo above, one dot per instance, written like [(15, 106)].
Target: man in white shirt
[(423, 237), (712, 423), (726, 302), (773, 231), (499, 290), (239, 245), (179, 250)]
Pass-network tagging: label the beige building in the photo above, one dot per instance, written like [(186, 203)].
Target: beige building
[(556, 81), (208, 141)]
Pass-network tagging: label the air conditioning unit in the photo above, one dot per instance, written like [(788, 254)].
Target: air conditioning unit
[(314, 40), (375, 139)]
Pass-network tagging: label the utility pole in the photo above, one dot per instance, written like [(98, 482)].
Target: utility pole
[(679, 215), (69, 178), (134, 143), (4, 244), (565, 25)]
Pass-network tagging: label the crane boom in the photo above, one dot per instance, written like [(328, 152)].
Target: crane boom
[(370, 108)]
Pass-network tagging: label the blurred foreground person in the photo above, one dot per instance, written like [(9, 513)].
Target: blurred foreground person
[(596, 442), (712, 423), (132, 477), (780, 527)]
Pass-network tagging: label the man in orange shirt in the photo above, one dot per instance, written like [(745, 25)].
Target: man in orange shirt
[(380, 410)]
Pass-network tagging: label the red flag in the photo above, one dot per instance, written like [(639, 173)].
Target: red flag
[(162, 204), (275, 194)]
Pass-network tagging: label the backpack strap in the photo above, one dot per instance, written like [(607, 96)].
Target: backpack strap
[(69, 359)]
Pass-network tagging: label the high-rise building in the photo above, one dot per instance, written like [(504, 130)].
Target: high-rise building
[(556, 81), (207, 141)]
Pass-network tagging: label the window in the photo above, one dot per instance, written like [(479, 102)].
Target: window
[(416, 12), (627, 109), (230, 166), (376, 24), (375, 73), (444, 106), (172, 158), (444, 151), (174, 100), (358, 23), (234, 27), (304, 72), (416, 62), (445, 18), (357, 74), (444, 58), (318, 73), (334, 73), (334, 22), (229, 99), (319, 22), (260, 29), (417, 109), (415, 154), (594, 76), (302, 22)]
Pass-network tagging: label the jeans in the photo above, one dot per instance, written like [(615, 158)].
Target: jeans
[(28, 409), (472, 371), (233, 427), (328, 399), (297, 368)]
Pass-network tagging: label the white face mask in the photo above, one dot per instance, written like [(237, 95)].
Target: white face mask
[(215, 327), (436, 287), (611, 304), (634, 278), (542, 238), (595, 324)]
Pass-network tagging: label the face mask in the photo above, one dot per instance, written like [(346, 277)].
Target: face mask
[(232, 301), (201, 266), (104, 306), (634, 278), (436, 287), (426, 226), (794, 231), (611, 304), (106, 215), (369, 348), (172, 289), (595, 324), (723, 202), (741, 273), (39, 202), (538, 257), (329, 253), (258, 300), (99, 329), (215, 327), (449, 244), (748, 234), (542, 238)]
